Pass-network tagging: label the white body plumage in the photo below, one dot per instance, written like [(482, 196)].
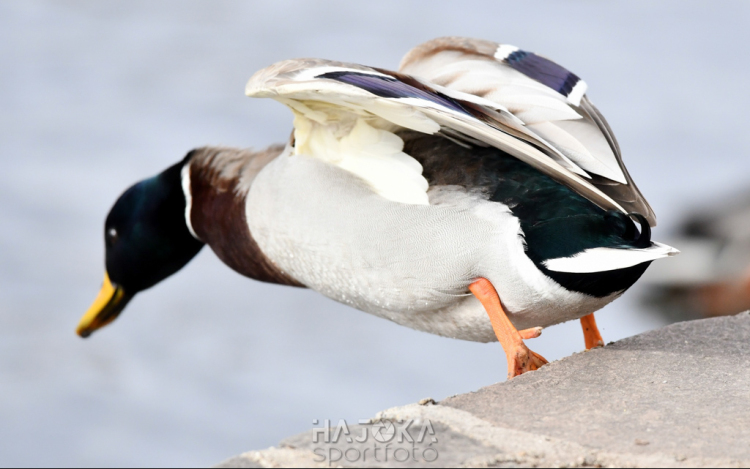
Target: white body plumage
[(409, 263)]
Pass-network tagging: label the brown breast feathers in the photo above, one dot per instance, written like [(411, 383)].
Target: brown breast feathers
[(219, 181)]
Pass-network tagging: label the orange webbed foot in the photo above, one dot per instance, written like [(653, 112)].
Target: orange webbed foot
[(520, 358)]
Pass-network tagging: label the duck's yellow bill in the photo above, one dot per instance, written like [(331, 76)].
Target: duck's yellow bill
[(107, 306)]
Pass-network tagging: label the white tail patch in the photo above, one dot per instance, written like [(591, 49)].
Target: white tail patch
[(606, 259)]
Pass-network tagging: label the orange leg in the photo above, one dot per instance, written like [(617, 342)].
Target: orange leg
[(520, 358), (591, 333)]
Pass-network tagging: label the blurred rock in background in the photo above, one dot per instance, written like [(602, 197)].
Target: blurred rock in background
[(711, 277)]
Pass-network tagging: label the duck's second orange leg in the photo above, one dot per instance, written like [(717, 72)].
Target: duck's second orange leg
[(591, 334), (520, 358)]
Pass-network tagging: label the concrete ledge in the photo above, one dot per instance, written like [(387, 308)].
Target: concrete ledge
[(676, 397)]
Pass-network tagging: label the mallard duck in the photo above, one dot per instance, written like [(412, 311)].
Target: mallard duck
[(478, 180)]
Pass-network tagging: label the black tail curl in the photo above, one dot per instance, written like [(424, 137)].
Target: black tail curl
[(644, 238)]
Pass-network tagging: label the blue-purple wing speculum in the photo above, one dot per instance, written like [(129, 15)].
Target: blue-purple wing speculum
[(544, 71), (391, 87)]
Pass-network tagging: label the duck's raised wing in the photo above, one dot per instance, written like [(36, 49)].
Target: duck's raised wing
[(550, 101), (346, 113)]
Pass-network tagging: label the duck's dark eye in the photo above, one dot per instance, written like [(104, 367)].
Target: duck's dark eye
[(112, 236)]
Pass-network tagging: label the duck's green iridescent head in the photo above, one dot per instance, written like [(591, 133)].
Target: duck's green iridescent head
[(147, 240)]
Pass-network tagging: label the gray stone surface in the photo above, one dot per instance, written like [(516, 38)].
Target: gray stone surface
[(684, 389), (676, 397)]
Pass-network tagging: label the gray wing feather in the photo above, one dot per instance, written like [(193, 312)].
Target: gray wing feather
[(549, 100), (414, 104), (629, 196)]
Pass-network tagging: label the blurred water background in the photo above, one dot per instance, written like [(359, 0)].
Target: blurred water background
[(95, 95)]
